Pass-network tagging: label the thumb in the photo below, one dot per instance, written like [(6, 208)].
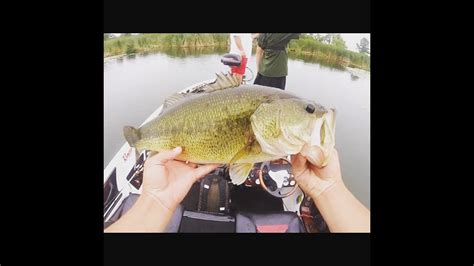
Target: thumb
[(298, 163), (164, 156)]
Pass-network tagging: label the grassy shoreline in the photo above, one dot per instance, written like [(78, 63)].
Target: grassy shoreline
[(306, 47), (156, 42)]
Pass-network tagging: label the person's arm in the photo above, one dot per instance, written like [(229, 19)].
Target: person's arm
[(165, 184), (146, 215), (342, 211), (258, 56), (339, 208), (238, 42)]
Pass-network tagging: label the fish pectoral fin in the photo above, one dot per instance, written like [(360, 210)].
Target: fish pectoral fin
[(242, 153), (239, 172), (252, 148)]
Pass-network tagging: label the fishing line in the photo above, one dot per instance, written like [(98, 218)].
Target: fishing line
[(250, 70)]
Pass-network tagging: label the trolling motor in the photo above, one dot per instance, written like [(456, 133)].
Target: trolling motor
[(231, 60), (234, 60)]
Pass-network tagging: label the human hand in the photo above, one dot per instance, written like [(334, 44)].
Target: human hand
[(167, 181), (313, 180), (242, 53), (341, 210)]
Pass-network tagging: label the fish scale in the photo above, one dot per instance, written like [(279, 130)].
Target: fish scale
[(211, 128), (240, 126)]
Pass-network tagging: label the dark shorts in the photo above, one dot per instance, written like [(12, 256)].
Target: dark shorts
[(276, 82)]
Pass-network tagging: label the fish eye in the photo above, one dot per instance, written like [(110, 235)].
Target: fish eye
[(310, 108)]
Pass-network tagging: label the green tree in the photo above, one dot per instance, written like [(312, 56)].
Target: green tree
[(338, 41), (326, 39), (318, 37), (363, 47)]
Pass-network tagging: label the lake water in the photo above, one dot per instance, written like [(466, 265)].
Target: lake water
[(136, 86)]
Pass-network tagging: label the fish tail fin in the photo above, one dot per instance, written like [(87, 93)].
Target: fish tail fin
[(131, 134)]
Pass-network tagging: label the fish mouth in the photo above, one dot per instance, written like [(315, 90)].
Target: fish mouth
[(328, 135), (318, 151)]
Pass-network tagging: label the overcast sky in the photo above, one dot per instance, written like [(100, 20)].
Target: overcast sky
[(352, 39)]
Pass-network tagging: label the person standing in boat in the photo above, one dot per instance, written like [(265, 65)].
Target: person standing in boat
[(272, 58), (241, 44)]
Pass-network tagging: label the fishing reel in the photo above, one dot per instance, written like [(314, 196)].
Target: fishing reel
[(275, 177)]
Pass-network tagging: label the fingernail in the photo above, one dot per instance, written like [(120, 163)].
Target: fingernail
[(177, 149)]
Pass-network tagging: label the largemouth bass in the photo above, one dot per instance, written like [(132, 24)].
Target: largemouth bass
[(239, 126)]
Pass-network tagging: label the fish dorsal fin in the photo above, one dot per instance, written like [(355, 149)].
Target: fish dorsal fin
[(173, 99), (223, 81), (177, 98)]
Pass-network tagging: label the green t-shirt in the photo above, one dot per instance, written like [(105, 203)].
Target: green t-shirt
[(275, 56)]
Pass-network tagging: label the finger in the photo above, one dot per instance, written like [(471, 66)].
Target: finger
[(333, 159), (202, 170), (333, 167), (298, 163), (315, 155), (186, 181), (162, 157)]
